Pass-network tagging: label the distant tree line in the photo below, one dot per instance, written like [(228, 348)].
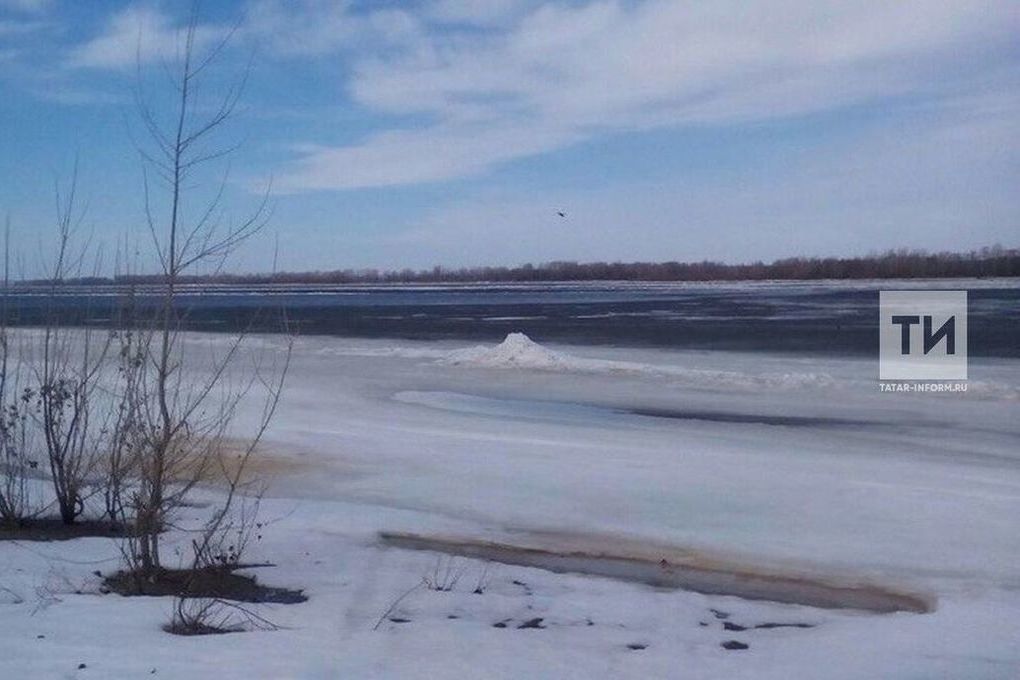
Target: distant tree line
[(894, 264)]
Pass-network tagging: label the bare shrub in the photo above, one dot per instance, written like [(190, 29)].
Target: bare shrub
[(17, 458), (445, 574), (212, 616), (484, 576), (67, 371), (200, 616), (119, 465), (18, 453), (225, 538), (15, 461)]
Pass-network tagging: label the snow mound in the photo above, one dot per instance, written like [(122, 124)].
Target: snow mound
[(516, 351), (520, 351)]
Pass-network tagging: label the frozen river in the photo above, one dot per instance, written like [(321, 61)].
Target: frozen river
[(763, 454)]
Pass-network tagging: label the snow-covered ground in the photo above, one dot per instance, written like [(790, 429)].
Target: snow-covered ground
[(799, 463)]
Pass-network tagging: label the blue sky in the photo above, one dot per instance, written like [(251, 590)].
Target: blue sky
[(451, 132)]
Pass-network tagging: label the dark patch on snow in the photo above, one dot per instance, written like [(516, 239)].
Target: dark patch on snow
[(199, 629), (533, 623), (213, 582), (54, 529), (769, 625), (734, 645)]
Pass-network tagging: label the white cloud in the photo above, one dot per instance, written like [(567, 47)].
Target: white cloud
[(850, 196), (472, 12), (139, 32), (561, 73), (410, 157), (313, 28), (310, 27)]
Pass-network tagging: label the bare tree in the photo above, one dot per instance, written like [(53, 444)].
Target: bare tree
[(181, 420)]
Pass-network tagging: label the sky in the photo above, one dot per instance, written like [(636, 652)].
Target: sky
[(396, 134)]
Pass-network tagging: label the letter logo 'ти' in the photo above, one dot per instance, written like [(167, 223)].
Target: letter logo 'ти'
[(923, 335)]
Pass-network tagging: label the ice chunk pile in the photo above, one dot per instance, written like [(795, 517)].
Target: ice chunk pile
[(521, 352), (516, 351)]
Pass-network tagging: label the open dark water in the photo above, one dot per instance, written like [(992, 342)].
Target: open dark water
[(811, 317)]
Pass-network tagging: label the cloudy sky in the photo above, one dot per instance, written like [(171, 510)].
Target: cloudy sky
[(402, 133)]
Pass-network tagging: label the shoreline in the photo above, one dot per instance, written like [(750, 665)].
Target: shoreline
[(675, 568)]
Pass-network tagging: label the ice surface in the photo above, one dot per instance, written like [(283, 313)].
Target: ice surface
[(919, 491)]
